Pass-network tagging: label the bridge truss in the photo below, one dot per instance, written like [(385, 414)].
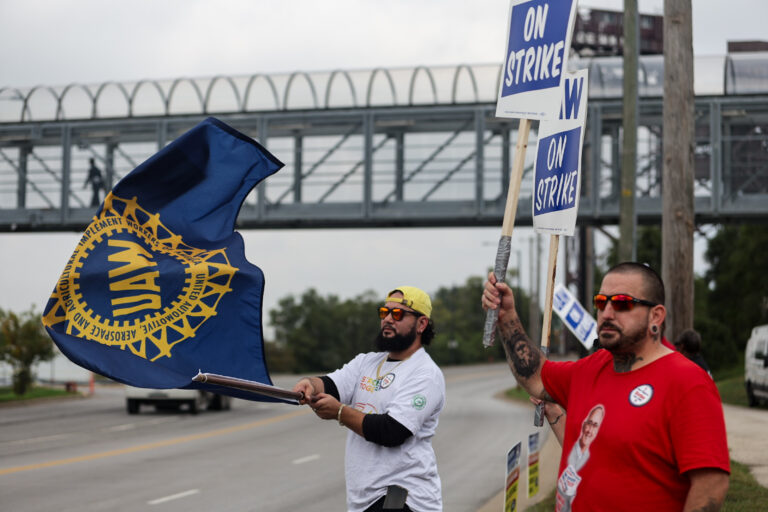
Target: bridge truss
[(420, 162), (416, 166)]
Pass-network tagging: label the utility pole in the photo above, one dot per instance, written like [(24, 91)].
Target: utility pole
[(627, 214), (677, 184)]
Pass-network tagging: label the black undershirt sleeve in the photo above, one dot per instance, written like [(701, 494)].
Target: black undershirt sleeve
[(330, 387), (377, 428), (384, 430)]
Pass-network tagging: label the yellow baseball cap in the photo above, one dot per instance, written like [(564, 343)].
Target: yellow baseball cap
[(414, 298)]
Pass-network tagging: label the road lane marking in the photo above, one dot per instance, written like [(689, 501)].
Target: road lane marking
[(121, 428), (115, 428), (129, 426), (173, 497), (158, 444), (308, 458), (39, 439)]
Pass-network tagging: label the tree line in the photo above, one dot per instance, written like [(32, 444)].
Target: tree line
[(315, 333)]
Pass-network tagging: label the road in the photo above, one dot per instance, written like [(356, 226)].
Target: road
[(89, 455)]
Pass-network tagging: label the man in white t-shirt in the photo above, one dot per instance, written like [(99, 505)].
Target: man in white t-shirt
[(390, 401)]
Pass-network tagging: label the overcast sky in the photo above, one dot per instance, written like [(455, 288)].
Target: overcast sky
[(89, 41)]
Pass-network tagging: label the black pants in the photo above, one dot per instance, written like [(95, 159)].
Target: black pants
[(379, 504)]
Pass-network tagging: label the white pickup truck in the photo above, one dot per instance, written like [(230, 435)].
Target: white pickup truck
[(756, 366), (173, 399)]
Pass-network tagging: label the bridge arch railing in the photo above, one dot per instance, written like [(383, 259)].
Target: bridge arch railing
[(733, 74)]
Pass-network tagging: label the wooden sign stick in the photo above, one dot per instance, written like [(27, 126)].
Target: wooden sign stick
[(554, 241), (510, 210)]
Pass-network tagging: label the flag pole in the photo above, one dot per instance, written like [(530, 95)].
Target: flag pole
[(510, 210), (248, 385)]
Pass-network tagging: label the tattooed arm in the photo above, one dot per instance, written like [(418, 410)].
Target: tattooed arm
[(524, 358), (708, 489)]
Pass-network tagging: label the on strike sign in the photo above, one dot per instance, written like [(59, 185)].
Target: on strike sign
[(538, 42), (557, 169)]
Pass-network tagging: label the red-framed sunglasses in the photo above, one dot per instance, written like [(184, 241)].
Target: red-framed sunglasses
[(397, 313), (620, 302)]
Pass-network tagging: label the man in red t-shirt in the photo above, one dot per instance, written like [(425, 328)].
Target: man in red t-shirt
[(645, 427)]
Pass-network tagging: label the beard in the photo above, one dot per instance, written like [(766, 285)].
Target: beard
[(396, 343), (619, 340)]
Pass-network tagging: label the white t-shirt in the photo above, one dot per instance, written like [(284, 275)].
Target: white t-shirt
[(413, 393)]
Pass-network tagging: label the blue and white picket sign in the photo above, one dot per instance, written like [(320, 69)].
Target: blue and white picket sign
[(574, 316), (513, 478), (557, 168), (538, 42)]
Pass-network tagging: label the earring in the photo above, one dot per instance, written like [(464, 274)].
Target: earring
[(654, 329)]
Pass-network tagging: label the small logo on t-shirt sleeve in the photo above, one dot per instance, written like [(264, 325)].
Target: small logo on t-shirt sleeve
[(419, 401)]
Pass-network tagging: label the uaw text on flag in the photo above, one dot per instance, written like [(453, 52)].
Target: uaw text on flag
[(159, 286)]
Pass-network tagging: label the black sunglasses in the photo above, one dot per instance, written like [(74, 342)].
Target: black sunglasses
[(620, 302), (397, 313)]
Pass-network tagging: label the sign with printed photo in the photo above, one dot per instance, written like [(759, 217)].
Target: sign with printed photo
[(513, 477), (533, 464)]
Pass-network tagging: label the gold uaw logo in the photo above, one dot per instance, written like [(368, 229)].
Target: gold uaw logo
[(123, 306)]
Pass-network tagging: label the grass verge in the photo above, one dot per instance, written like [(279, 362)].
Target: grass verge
[(732, 390), (744, 494), (7, 394)]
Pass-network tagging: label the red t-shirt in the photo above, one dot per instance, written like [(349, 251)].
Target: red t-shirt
[(657, 422)]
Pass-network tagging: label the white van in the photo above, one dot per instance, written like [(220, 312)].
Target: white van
[(756, 366), (194, 400)]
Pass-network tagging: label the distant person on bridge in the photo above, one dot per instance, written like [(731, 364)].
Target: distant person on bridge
[(96, 181), (661, 443), (390, 401)]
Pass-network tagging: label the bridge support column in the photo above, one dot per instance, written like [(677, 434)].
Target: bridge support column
[(66, 171), (594, 160), (261, 189), (399, 164), (368, 125), (21, 189), (162, 134), (615, 162), (109, 165), (479, 159), (716, 157), (506, 161), (298, 149)]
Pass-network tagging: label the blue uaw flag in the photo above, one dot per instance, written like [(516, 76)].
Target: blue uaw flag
[(158, 286)]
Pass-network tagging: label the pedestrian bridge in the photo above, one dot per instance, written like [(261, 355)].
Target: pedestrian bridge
[(381, 147)]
